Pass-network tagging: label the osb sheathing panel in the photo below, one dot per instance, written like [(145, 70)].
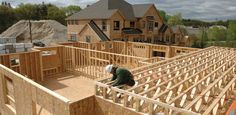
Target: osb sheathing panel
[(83, 107), (28, 93), (52, 64), (104, 107), (30, 64), (98, 106)]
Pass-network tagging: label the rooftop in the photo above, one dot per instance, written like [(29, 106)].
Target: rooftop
[(104, 9)]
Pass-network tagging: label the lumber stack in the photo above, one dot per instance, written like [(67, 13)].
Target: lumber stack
[(15, 47)]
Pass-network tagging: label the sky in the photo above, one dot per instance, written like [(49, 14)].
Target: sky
[(208, 10)]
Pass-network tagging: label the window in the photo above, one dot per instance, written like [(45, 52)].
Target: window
[(73, 22), (103, 47), (149, 39), (158, 54), (132, 24), (104, 25), (167, 38), (156, 24), (150, 25), (110, 45), (116, 25), (73, 37), (88, 39), (15, 60)]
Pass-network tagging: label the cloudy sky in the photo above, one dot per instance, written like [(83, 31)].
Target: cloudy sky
[(194, 9)]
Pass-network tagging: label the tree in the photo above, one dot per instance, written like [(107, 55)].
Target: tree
[(163, 15), (43, 10), (54, 13), (200, 39), (175, 19), (231, 32), (69, 10), (27, 11), (7, 17), (217, 33)]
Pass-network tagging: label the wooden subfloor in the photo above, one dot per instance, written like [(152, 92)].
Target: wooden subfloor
[(71, 86)]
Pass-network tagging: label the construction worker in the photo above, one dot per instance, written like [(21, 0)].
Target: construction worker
[(120, 76)]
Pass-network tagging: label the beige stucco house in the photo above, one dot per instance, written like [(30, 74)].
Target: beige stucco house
[(118, 20)]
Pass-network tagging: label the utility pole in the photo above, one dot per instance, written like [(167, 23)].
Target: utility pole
[(30, 31)]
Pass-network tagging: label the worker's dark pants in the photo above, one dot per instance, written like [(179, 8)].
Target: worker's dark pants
[(131, 82)]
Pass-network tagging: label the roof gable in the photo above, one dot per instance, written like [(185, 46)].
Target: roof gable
[(96, 30), (141, 9), (124, 7), (104, 9)]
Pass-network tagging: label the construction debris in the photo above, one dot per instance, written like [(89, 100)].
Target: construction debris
[(15, 47)]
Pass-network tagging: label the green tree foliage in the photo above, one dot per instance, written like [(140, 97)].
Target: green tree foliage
[(175, 19), (42, 10), (199, 23), (231, 32), (26, 11), (200, 40), (54, 13), (69, 10), (217, 33), (163, 15), (7, 17)]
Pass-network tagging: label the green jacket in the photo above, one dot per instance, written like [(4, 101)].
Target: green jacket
[(122, 76)]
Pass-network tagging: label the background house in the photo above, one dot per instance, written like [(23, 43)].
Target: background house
[(118, 20)]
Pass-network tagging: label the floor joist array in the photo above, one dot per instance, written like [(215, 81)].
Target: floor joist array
[(200, 82)]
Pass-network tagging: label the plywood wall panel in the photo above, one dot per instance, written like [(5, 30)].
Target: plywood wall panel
[(28, 94), (83, 107), (104, 107)]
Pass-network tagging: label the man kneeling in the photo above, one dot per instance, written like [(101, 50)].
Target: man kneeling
[(120, 76)]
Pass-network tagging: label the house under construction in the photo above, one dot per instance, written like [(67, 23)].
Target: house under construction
[(69, 79)]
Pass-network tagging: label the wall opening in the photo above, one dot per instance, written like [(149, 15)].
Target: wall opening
[(15, 63), (158, 54), (9, 93)]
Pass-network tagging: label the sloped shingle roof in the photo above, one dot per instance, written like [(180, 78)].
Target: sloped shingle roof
[(141, 9), (104, 9)]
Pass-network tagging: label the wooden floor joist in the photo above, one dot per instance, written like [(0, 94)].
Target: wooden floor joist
[(201, 82)]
